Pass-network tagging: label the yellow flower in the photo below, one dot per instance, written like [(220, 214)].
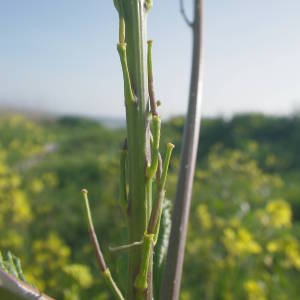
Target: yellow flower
[(255, 290), (240, 242), (292, 251), (273, 246), (280, 213), (37, 185), (247, 243)]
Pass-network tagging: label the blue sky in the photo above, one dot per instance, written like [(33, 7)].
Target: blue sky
[(60, 55)]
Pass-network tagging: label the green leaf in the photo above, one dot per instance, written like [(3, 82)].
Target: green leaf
[(160, 250)]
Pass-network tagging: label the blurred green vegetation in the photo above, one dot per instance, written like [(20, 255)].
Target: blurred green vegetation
[(244, 234)]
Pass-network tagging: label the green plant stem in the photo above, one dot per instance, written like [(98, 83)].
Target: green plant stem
[(141, 278), (123, 192), (148, 197), (150, 235), (134, 14), (143, 164), (128, 93), (157, 208), (150, 80), (151, 170), (165, 169), (112, 285)]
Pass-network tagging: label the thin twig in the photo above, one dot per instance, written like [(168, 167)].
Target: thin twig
[(123, 191), (183, 13), (93, 236), (173, 269), (99, 256), (125, 247)]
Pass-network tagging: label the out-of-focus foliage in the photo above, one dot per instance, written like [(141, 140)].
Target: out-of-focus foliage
[(15, 210), (244, 226), (242, 245)]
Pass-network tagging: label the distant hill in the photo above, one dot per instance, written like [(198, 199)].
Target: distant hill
[(273, 140), (37, 114)]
